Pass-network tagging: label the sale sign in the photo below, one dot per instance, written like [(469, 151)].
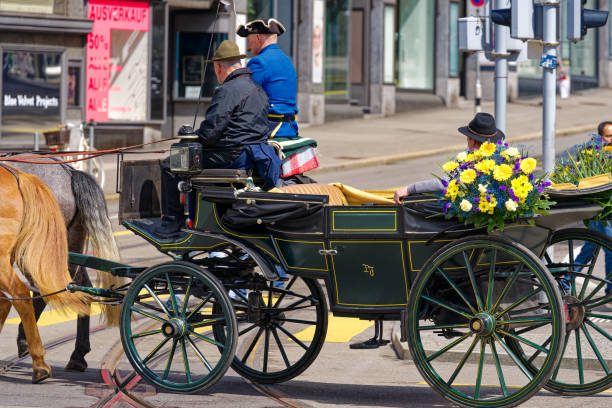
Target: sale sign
[(107, 15)]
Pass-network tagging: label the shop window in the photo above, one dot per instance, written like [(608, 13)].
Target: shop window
[(356, 46), (191, 66), (584, 53), (73, 98), (389, 44), (453, 41), (416, 44), (29, 6), (282, 10), (337, 44)]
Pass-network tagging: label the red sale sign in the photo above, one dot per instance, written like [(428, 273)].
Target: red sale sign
[(107, 15)]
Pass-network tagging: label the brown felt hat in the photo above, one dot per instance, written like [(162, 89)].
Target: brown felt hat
[(269, 26), (227, 51)]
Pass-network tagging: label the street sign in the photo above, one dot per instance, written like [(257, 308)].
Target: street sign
[(548, 61), (478, 3)]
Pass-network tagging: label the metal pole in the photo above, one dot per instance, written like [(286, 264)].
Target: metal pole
[(91, 146), (502, 33), (478, 90), (549, 91), (36, 142)]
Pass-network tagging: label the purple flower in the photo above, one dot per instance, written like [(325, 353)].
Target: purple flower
[(444, 183), (506, 144), (446, 207), (531, 177), (540, 188), (502, 188), (476, 200)]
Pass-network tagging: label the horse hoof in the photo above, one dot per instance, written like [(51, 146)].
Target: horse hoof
[(22, 348), (40, 374), (74, 365)]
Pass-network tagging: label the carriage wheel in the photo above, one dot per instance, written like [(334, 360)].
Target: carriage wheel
[(281, 331), (584, 368), (166, 323), (476, 291)]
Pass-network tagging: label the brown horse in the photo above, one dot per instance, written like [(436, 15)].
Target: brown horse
[(33, 235)]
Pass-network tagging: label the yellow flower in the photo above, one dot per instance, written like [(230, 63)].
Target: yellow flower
[(486, 149), (470, 157), (450, 166), (608, 148), (502, 172), (467, 176), (452, 190), (528, 165), (465, 205), (483, 205), (485, 166)]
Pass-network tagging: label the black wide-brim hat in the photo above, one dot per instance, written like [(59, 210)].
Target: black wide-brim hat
[(269, 26), (482, 128)]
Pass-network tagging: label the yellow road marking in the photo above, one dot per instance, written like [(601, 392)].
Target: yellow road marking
[(57, 316), (339, 330), (122, 233)]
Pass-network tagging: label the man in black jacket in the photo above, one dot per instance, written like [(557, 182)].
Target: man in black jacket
[(233, 133)]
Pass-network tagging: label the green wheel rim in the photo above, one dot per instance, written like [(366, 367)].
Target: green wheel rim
[(577, 374), (281, 343), (477, 290), (166, 323)]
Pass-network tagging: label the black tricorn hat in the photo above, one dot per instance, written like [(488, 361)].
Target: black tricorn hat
[(269, 26), (482, 128)]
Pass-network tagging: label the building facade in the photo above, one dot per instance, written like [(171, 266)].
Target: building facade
[(137, 68)]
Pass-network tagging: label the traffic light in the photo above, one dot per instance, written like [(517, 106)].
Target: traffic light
[(520, 19), (579, 19)]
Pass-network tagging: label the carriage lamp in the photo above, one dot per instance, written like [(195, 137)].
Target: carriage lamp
[(185, 155)]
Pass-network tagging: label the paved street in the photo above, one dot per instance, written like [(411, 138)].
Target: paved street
[(339, 377)]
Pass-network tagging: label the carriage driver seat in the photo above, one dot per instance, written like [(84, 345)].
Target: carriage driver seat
[(334, 193), (341, 194)]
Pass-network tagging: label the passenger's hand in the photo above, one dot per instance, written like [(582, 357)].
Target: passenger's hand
[(399, 194)]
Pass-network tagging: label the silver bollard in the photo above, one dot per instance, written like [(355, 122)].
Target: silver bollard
[(36, 139)]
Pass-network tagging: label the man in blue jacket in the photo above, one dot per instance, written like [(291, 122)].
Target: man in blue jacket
[(274, 72)]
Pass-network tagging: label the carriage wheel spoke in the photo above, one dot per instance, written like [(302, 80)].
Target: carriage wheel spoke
[(518, 302), (447, 306), (169, 362), (157, 300), (556, 372), (172, 297), (541, 321), (248, 329), (509, 284), (207, 322), (270, 294), (547, 257), (595, 350), (294, 305), (579, 357), (291, 336), (500, 373), (187, 293), (282, 295), (252, 346), (155, 350), (206, 339), (281, 348), (147, 314), (462, 362), (571, 259), (480, 369), (597, 288), (200, 306), (517, 361), (443, 326), (491, 279), (601, 301), (308, 322), (448, 347), (530, 328), (585, 283), (185, 361), (198, 353), (472, 277), (599, 315), (146, 333), (457, 289), (599, 329), (523, 340), (537, 353), (266, 350)]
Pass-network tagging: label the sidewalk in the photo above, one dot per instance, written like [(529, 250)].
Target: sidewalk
[(362, 142)]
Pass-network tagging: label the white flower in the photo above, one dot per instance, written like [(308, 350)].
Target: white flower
[(511, 205), (482, 189), (465, 205), (461, 156), (513, 152)]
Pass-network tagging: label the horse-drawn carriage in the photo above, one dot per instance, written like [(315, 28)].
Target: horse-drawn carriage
[(511, 311)]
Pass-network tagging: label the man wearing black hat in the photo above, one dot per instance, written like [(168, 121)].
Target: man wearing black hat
[(233, 133), (480, 129), (274, 72)]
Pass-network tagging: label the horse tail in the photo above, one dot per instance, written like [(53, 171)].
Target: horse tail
[(41, 249), (93, 216)]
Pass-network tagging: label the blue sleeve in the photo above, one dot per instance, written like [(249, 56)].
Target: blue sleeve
[(259, 71)]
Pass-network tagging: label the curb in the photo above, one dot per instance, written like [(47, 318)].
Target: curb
[(394, 158), (403, 353)]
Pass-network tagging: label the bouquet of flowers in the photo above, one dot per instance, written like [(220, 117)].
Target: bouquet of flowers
[(585, 161), (491, 185)]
